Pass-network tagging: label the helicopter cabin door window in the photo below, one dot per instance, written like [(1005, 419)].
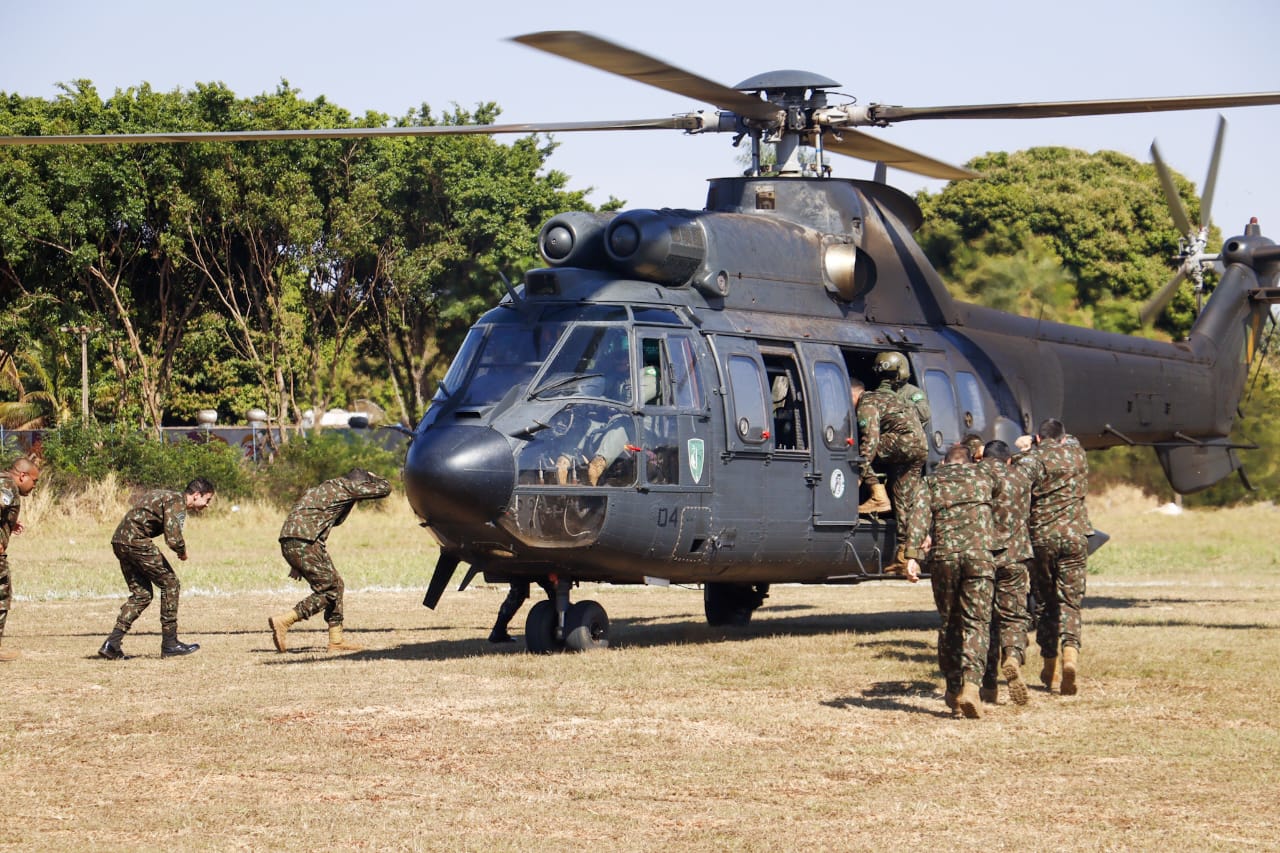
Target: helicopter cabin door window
[(942, 402), (786, 401), (746, 383), (748, 415), (972, 413)]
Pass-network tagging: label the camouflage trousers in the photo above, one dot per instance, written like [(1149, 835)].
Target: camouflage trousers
[(6, 591), (1058, 578), (962, 591), (1009, 617), (904, 479), (310, 560), (142, 566)]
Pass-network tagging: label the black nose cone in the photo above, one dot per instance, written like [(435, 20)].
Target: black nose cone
[(459, 474)]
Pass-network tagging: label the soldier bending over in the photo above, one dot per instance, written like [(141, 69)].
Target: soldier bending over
[(302, 542)]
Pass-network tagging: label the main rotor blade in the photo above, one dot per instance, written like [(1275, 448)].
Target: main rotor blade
[(1157, 303), (866, 147), (1176, 209), (1065, 109), (1211, 180), (616, 59), (680, 122)]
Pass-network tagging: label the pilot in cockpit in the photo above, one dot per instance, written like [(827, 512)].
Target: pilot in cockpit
[(606, 442)]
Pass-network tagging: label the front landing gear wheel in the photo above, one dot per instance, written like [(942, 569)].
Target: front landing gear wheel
[(586, 627), (540, 629)]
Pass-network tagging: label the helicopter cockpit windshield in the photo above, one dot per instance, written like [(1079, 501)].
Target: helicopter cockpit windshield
[(593, 362), (504, 355)]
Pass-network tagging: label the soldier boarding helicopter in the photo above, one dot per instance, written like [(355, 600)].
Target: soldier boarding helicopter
[(668, 401)]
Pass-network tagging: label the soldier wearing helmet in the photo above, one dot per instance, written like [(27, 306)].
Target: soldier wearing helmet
[(889, 433), (895, 366)]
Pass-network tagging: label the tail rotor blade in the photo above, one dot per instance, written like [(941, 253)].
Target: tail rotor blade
[(1206, 196), (1171, 197), (1157, 303)]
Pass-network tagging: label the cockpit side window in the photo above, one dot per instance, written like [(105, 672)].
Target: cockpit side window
[(668, 372)]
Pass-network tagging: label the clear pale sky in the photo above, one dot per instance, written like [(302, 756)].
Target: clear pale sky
[(392, 55)]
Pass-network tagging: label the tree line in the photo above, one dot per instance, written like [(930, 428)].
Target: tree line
[(303, 274), (284, 275)]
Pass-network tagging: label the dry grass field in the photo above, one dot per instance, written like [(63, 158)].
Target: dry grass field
[(821, 726)]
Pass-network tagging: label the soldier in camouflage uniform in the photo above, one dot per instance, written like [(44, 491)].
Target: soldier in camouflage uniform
[(889, 432), (910, 394), (954, 507), (1059, 474), (302, 542), (1010, 510), (160, 511), (15, 484)]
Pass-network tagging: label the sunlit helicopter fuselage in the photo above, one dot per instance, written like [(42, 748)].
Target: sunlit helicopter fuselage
[(730, 448)]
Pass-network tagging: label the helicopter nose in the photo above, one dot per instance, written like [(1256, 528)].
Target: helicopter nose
[(459, 474)]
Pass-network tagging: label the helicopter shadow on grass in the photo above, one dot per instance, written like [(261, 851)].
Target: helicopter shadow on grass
[(658, 632)]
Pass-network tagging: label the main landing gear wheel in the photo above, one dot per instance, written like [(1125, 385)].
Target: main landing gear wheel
[(540, 629), (586, 627), (732, 603)]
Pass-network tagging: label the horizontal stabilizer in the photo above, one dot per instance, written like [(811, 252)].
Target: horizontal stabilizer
[(1194, 467)]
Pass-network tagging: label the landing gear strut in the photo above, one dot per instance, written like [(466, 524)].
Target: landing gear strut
[(554, 627)]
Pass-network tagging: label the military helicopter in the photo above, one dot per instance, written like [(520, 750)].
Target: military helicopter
[(667, 401)]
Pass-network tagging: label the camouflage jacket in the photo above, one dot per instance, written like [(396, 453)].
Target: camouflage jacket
[(322, 508), (1059, 474), (158, 511), (888, 429), (10, 503), (955, 507), (914, 397), (1010, 508)]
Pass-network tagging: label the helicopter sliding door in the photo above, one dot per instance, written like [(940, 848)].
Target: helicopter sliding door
[(835, 484)]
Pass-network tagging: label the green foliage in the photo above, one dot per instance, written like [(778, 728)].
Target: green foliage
[(1102, 216), (320, 456), (77, 455), (292, 275)]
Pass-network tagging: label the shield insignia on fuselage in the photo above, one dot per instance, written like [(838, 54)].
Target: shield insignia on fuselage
[(697, 456)]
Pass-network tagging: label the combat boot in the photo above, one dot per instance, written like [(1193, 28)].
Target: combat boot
[(1011, 669), (279, 625), (1047, 671), (1070, 662), (969, 701), (877, 503), (111, 649), (337, 644), (171, 646), (990, 695), (952, 702), (499, 635), (7, 655)]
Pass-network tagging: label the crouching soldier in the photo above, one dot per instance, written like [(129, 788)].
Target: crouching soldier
[(302, 542), (160, 511)]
